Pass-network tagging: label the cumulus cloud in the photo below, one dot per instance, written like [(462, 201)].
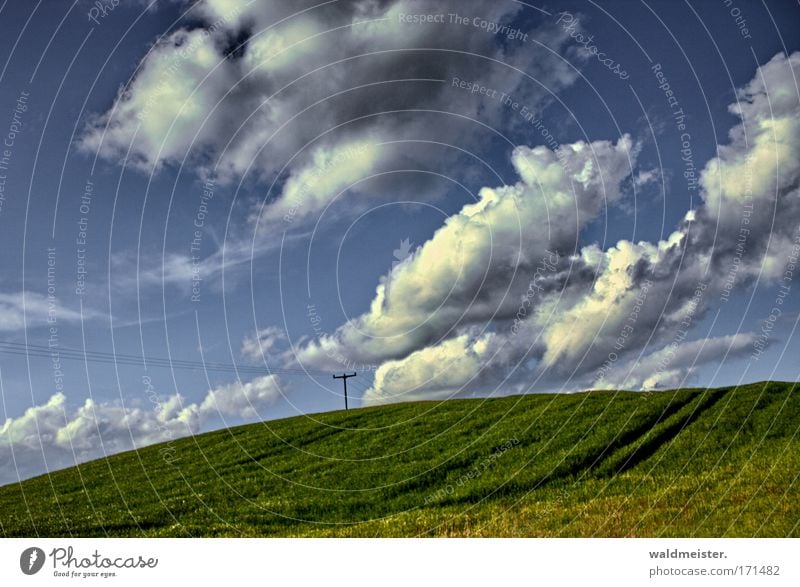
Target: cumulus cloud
[(431, 372), (477, 267), (606, 306), (277, 91), (743, 231), (53, 436)]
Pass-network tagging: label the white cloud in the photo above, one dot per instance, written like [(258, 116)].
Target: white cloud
[(478, 265), (27, 309), (170, 101), (330, 172), (742, 232), (263, 343), (630, 299), (277, 99), (647, 176), (241, 400), (52, 436), (433, 372)]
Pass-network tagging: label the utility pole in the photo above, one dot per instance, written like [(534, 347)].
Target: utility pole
[(344, 377)]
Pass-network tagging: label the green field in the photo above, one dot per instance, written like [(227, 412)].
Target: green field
[(694, 462)]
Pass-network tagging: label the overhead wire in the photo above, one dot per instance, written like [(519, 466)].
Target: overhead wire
[(34, 350)]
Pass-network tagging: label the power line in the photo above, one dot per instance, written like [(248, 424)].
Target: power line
[(66, 353)]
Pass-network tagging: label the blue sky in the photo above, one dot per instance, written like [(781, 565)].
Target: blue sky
[(449, 207)]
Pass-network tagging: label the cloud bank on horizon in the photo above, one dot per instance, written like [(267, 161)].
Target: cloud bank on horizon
[(53, 436)]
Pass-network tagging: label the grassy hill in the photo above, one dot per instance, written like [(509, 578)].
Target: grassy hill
[(720, 462)]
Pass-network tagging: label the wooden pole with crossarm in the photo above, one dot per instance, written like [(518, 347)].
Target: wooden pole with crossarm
[(344, 377)]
